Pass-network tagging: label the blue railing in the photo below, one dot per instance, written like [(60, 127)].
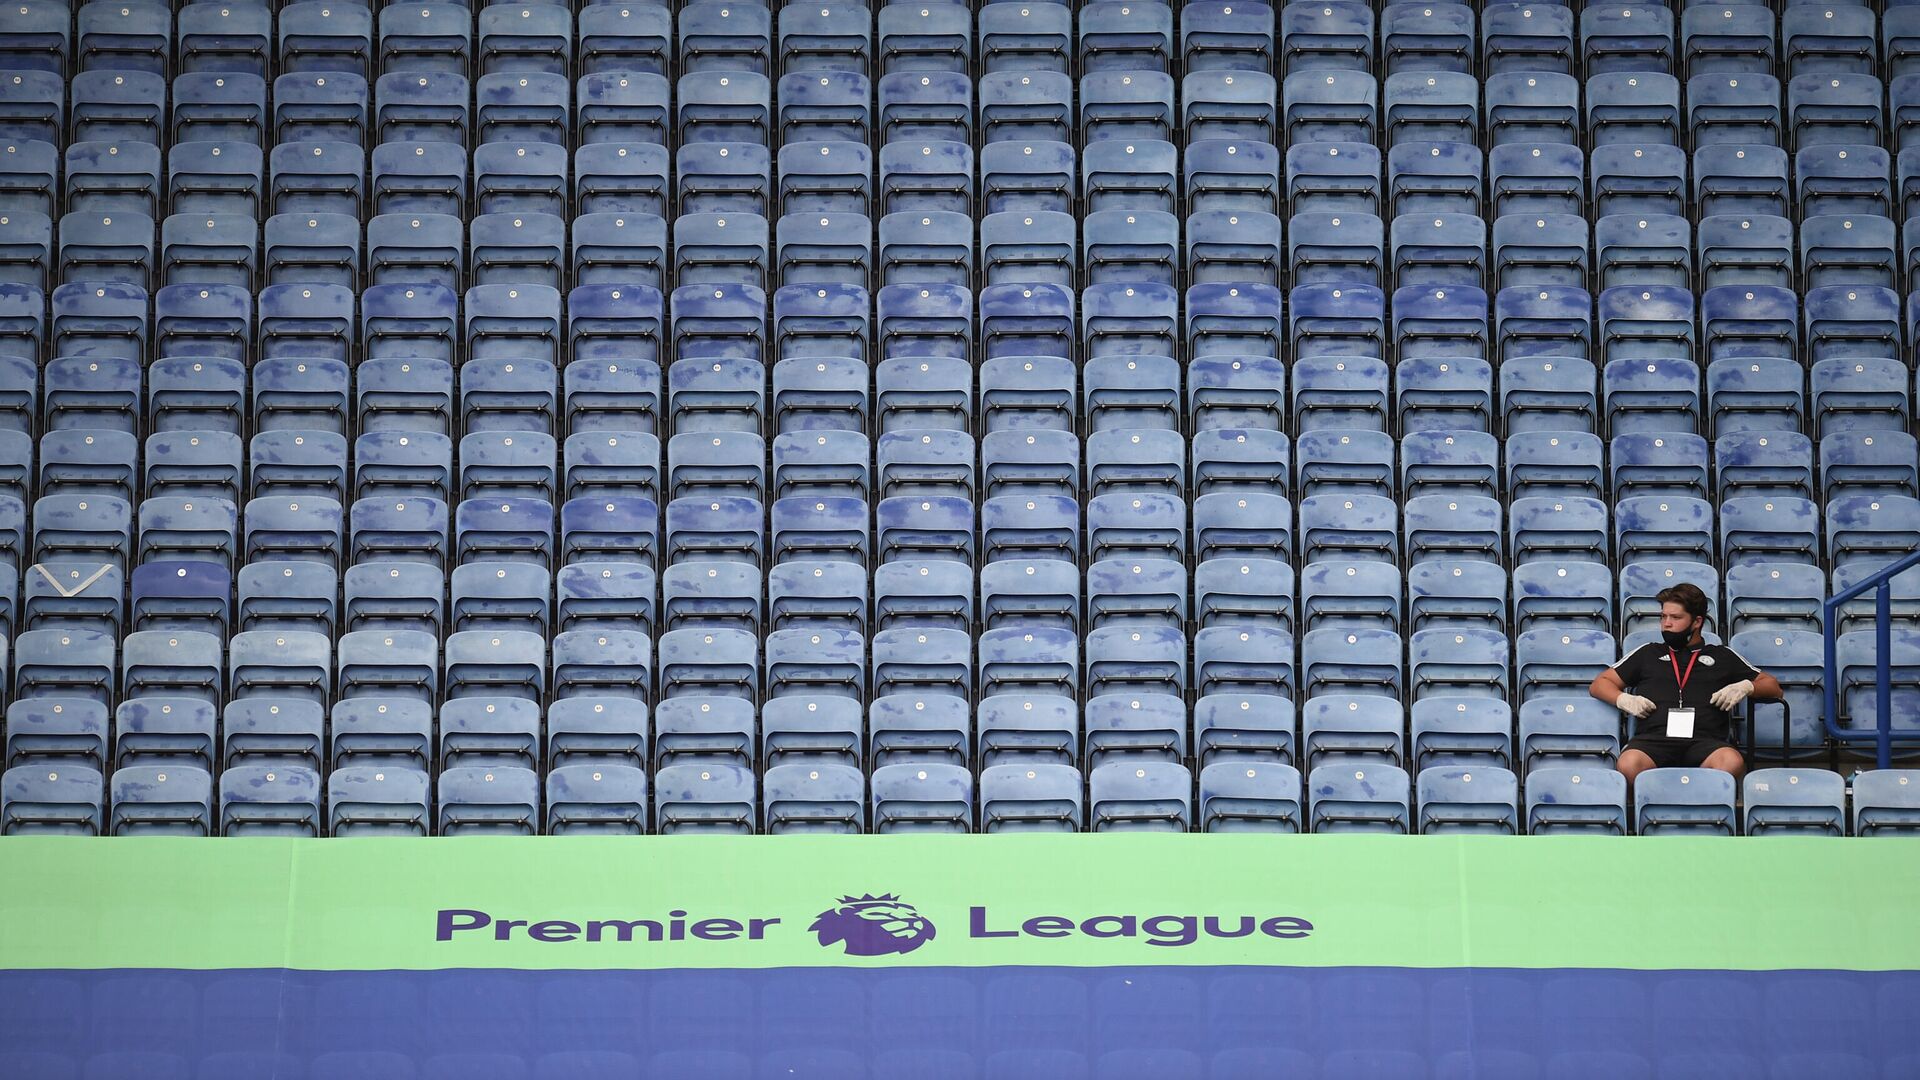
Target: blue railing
[(1881, 735)]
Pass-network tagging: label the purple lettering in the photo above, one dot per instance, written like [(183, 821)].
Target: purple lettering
[(1047, 926), (1212, 925), (1123, 926), (553, 930), (1286, 926), (453, 920), (1176, 930), (977, 925), (716, 929)]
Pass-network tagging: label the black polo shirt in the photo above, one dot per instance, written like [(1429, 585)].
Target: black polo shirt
[(1648, 672)]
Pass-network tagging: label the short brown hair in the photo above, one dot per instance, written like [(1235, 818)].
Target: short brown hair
[(1688, 596)]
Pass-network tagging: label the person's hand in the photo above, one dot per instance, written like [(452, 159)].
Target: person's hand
[(1729, 696), (1635, 706)]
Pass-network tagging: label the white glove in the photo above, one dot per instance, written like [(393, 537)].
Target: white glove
[(1729, 696), (1635, 706)]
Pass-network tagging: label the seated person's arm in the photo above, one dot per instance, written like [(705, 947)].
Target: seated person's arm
[(1767, 688), (1607, 687), (1611, 689)]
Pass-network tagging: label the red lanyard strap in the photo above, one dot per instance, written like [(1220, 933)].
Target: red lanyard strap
[(1679, 678)]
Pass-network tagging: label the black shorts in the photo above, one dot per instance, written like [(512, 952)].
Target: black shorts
[(1677, 753)]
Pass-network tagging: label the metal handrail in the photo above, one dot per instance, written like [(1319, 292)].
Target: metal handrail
[(1882, 736)]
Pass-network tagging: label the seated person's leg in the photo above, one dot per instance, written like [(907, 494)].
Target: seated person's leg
[(1632, 763), (1727, 760)]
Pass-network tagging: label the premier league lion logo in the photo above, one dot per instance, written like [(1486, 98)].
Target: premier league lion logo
[(873, 926)]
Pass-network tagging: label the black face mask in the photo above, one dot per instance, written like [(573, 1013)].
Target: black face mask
[(1676, 639)]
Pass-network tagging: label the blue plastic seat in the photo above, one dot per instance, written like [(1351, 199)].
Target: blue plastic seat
[(921, 797), (29, 172), (1567, 729), (1222, 174), (160, 800), (925, 105), (270, 800), (1468, 799), (41, 39), (1684, 802), (1656, 527), (1026, 105), (1216, 36), (1875, 463), (927, 174), (1742, 179), (1435, 177), (596, 799), (155, 727), (1431, 107), (1366, 798), (1140, 796), (1734, 249), (136, 37), (1860, 394), (1321, 106), (620, 178), (61, 801), (1127, 105), (1765, 529), (1572, 528), (181, 595), (1836, 108), (366, 800), (1884, 803), (1535, 179), (621, 106), (1785, 597), (1030, 797), (1559, 662), (814, 798), (35, 107), (536, 38), (1525, 106), (1336, 37), (1576, 799), (57, 731), (1823, 42), (225, 106), (1130, 38), (425, 38), (106, 248), (111, 179), (1238, 796), (1334, 177), (325, 38), (1790, 802), (839, 38), (1848, 181), (1732, 38), (1637, 38), (1517, 37)]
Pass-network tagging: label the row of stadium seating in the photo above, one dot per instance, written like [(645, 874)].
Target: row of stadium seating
[(928, 797), (1808, 38), (946, 326), (1531, 107), (639, 181), (1728, 255)]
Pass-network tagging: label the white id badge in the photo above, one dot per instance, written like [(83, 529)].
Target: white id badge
[(1679, 723)]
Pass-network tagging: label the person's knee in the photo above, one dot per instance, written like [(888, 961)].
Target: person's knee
[(1727, 760), (1632, 763)]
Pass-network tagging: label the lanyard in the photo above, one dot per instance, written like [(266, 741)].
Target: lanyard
[(1679, 678)]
